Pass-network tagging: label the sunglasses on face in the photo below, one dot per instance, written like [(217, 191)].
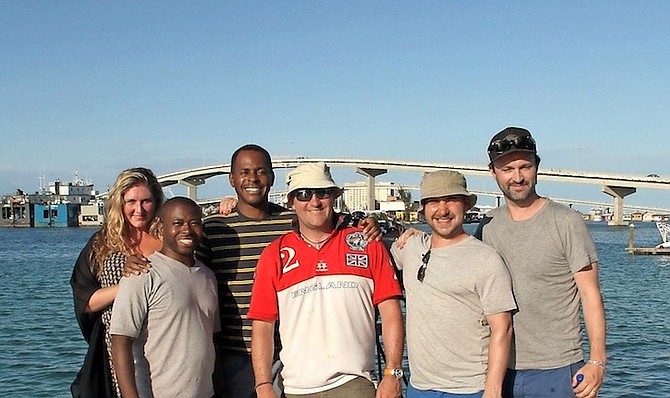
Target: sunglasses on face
[(305, 195), (424, 264), (503, 145)]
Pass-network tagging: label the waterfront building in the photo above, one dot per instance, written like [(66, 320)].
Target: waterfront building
[(78, 191), (58, 205), (356, 194), (91, 215), (653, 217), (600, 214), (394, 209), (55, 215), (16, 210)]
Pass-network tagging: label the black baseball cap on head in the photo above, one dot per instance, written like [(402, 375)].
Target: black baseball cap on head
[(511, 139)]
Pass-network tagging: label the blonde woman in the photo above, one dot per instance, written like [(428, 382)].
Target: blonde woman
[(128, 230)]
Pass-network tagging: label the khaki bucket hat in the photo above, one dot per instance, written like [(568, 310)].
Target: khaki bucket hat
[(443, 183)]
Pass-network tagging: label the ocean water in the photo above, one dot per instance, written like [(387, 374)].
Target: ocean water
[(41, 347)]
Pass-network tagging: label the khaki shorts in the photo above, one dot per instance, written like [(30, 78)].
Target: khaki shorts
[(357, 388)]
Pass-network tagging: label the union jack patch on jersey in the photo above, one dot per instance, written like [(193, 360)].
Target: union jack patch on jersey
[(357, 260)]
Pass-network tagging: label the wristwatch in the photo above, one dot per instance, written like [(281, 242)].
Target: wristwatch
[(395, 372)]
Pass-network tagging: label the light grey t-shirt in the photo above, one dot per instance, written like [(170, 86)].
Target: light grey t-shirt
[(447, 333), (172, 312), (542, 254)]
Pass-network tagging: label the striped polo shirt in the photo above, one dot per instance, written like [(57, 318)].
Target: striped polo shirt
[(231, 246)]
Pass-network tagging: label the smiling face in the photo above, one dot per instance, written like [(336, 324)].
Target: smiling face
[(314, 214), (181, 228), (516, 175), (251, 175), (445, 216), (139, 207)]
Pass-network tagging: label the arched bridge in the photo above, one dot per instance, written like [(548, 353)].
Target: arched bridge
[(616, 185)]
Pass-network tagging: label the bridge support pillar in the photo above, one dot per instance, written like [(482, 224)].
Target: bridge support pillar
[(618, 193), (371, 174), (191, 185)]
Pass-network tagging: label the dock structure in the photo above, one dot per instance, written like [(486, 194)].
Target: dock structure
[(648, 250), (659, 250)]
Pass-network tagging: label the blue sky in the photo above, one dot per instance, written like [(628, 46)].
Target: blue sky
[(101, 86)]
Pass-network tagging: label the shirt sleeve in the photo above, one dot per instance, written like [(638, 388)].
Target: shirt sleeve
[(131, 305), (383, 274), (264, 305), (398, 255), (215, 290), (579, 247)]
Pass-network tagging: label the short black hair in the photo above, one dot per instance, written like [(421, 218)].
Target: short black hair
[(251, 147), (178, 200)]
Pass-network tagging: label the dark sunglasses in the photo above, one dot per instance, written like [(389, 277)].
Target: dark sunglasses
[(305, 195), (503, 145), (424, 264)]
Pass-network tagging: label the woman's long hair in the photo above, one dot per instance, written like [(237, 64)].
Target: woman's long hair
[(114, 236)]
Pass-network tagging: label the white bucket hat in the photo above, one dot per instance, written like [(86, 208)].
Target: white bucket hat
[(442, 183), (311, 175)]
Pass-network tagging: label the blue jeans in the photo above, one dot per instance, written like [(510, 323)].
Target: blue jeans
[(414, 393), (531, 383)]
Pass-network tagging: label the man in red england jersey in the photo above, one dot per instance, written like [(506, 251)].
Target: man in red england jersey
[(321, 282)]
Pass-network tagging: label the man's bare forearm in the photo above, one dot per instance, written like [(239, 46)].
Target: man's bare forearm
[(124, 365)]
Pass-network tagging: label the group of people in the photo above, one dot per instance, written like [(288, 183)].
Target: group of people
[(270, 302)]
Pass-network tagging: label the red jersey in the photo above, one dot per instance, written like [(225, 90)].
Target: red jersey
[(324, 301)]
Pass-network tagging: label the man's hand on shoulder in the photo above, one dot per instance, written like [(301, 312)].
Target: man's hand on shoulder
[(371, 229), (227, 205), (136, 265), (402, 239)]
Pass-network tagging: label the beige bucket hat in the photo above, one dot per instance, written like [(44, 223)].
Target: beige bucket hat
[(311, 175), (442, 183)]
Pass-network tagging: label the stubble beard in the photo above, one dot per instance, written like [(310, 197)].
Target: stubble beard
[(450, 231), (517, 196)]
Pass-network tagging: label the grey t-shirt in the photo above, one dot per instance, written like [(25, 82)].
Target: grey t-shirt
[(172, 312), (447, 332), (542, 254)]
